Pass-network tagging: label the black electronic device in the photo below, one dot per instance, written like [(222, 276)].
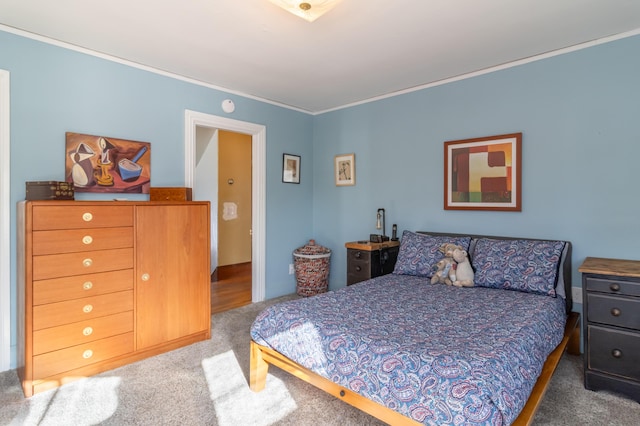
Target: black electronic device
[(377, 238)]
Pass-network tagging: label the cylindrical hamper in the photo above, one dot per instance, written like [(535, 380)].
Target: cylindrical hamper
[(312, 269)]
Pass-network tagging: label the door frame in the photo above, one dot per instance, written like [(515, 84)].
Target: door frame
[(258, 132), (5, 224)]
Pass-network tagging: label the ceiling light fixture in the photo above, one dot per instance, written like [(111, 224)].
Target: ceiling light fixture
[(309, 10)]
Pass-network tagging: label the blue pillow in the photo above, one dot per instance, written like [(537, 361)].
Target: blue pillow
[(530, 266), (419, 253)]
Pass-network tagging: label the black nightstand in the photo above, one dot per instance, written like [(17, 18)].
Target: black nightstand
[(611, 325), (367, 260)]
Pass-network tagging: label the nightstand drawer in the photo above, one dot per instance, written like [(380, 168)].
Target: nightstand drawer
[(614, 352), (358, 256), (60, 313), (612, 286), (359, 267), (77, 333), (356, 277), (80, 240), (613, 310), (78, 356)]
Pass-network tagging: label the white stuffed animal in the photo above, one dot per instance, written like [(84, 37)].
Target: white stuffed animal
[(464, 271)]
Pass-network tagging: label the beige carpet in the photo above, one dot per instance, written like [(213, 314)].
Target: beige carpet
[(206, 384)]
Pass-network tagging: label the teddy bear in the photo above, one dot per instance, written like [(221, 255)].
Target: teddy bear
[(445, 271), (448, 248), (464, 271)]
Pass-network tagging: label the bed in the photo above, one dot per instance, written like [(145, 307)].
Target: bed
[(410, 352)]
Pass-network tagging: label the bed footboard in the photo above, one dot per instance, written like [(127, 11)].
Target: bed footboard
[(571, 335), (258, 369), (262, 356)]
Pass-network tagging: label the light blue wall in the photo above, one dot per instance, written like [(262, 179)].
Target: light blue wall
[(580, 118), (578, 113), (55, 90)]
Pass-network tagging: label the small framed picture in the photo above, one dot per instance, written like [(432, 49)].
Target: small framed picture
[(290, 168), (345, 171)]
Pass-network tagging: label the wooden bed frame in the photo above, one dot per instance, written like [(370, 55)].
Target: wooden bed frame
[(262, 357)]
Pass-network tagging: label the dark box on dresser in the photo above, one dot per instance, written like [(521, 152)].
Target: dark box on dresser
[(49, 190)]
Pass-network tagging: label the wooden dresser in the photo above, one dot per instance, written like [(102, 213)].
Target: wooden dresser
[(611, 325), (102, 284), (367, 260)]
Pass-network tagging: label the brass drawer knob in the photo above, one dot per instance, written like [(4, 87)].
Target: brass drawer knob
[(616, 353), (87, 354), (88, 331), (615, 312), (87, 308), (145, 277), (87, 217), (87, 262), (88, 285), (87, 239)]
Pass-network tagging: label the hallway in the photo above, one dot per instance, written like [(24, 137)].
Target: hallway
[(230, 287)]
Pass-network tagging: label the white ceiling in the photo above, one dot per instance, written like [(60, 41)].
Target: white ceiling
[(359, 50)]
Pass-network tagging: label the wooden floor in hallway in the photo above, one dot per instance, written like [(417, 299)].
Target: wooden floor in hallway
[(230, 287)]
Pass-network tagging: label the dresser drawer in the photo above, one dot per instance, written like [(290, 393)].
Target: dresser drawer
[(63, 265), (64, 336), (77, 286), (73, 216), (67, 359), (55, 314), (77, 240), (613, 310), (612, 286), (614, 352)]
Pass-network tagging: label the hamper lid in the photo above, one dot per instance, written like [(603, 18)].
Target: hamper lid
[(312, 251)]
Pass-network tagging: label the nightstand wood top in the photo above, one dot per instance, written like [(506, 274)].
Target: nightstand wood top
[(617, 267), (369, 246)]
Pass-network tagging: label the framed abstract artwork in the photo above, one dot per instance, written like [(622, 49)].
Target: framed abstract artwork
[(345, 169), (483, 173), (290, 168)]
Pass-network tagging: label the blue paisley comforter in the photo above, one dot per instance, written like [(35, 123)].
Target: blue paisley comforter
[(437, 354)]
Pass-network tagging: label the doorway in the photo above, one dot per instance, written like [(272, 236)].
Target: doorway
[(200, 172), (231, 280), (5, 225)]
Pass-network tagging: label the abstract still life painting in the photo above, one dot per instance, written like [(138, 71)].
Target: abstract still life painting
[(106, 164), (483, 173)]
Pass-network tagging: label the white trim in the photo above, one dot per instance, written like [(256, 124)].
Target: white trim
[(258, 134), (132, 64), (5, 224), (500, 67)]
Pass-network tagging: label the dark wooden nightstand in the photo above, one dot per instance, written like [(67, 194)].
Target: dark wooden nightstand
[(367, 260), (611, 325)]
